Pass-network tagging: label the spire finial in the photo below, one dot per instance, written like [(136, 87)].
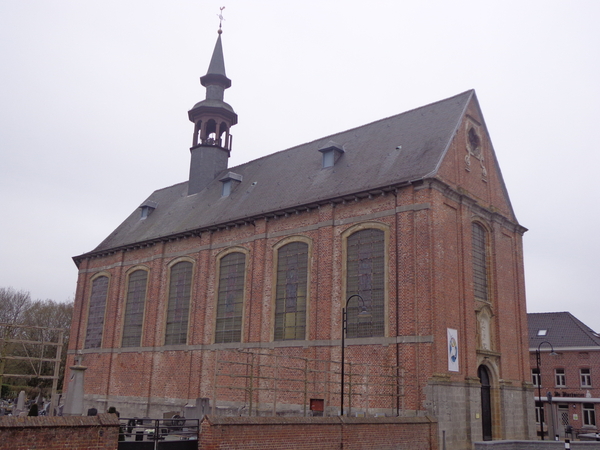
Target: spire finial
[(221, 19)]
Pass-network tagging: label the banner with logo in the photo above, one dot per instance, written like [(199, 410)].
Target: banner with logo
[(452, 350)]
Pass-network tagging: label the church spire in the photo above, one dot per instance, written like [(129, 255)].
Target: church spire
[(216, 70), (213, 119)]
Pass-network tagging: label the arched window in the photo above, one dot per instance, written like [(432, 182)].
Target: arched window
[(365, 271), (480, 270), (95, 322), (291, 290), (230, 303), (179, 303), (134, 309)]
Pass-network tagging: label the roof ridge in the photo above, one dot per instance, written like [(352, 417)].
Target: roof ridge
[(583, 327), (329, 136)]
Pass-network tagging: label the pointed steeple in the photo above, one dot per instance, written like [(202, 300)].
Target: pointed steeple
[(213, 119), (216, 69)]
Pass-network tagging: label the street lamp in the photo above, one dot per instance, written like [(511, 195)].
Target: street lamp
[(538, 360), (363, 312)]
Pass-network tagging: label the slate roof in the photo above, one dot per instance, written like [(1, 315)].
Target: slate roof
[(563, 330), (392, 151)]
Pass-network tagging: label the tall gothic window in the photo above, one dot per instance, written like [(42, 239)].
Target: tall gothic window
[(230, 301), (290, 300), (95, 324), (480, 269), (134, 309), (365, 268), (179, 303)]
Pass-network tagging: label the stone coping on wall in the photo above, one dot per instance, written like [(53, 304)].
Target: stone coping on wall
[(535, 445), (101, 420), (226, 420)]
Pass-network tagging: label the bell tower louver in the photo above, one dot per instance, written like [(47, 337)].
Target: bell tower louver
[(213, 119)]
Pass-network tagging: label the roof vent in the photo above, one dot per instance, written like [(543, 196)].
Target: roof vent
[(230, 182), (147, 208), (331, 153)]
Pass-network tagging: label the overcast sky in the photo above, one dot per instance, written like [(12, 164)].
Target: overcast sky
[(94, 99)]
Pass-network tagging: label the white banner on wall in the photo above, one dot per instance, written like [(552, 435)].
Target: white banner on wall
[(452, 350)]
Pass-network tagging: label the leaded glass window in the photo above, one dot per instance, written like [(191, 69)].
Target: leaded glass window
[(290, 301), (365, 268), (179, 303), (230, 301), (480, 270), (134, 309), (95, 325)]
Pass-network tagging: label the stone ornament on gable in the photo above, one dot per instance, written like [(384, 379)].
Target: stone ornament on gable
[(474, 150)]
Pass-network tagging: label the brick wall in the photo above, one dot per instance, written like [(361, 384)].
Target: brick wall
[(59, 433), (240, 433), (571, 397)]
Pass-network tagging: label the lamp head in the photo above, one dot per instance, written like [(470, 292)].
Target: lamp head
[(364, 312)]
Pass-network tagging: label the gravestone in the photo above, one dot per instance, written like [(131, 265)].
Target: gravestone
[(20, 404)]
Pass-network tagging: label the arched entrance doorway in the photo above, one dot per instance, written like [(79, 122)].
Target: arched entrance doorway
[(486, 402)]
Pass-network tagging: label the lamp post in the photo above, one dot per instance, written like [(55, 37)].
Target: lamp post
[(538, 360), (363, 312)]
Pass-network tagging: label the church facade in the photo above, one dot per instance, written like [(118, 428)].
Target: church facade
[(237, 288)]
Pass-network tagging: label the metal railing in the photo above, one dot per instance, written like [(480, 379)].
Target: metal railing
[(136, 433)]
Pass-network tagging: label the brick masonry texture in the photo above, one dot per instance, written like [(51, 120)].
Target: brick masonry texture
[(58, 433), (428, 289), (571, 361), (328, 433)]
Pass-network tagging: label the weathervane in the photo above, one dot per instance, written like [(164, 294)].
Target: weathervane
[(221, 19)]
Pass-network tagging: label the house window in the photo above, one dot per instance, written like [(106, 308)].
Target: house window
[(589, 414), (179, 303), (230, 301), (535, 377), (539, 412), (95, 324), (480, 270), (291, 290), (365, 268), (134, 309), (559, 377), (586, 377)]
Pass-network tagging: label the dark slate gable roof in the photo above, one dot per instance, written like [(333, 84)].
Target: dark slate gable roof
[(563, 330), (392, 151)]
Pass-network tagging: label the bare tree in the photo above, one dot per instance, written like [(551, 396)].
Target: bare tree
[(25, 323), (13, 305)]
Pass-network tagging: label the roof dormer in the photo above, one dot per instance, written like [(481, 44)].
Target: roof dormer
[(332, 151), (147, 207), (230, 182)]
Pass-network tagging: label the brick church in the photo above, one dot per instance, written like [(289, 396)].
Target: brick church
[(235, 289)]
